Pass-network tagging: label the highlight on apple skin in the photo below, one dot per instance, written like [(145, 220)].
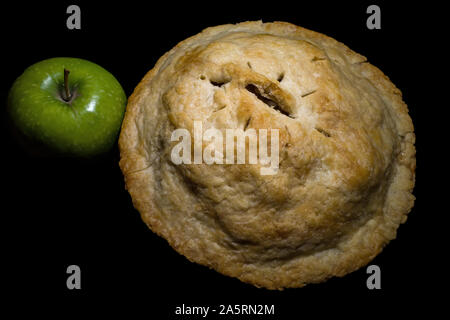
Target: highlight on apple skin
[(70, 106)]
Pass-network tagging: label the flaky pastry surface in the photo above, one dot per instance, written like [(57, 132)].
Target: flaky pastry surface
[(347, 156)]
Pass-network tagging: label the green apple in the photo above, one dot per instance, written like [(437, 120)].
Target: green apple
[(71, 106)]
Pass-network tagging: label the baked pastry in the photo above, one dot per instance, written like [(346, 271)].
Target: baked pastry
[(346, 154)]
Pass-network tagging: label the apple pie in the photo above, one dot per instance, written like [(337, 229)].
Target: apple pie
[(345, 175)]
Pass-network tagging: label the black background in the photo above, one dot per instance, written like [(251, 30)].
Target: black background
[(60, 212)]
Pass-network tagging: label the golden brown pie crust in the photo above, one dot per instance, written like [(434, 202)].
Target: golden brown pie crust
[(347, 156)]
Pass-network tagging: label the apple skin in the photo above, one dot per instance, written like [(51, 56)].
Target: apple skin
[(87, 125)]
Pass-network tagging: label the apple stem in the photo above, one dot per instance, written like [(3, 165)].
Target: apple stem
[(66, 85)]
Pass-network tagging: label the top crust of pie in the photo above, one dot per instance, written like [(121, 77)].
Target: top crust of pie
[(347, 156)]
